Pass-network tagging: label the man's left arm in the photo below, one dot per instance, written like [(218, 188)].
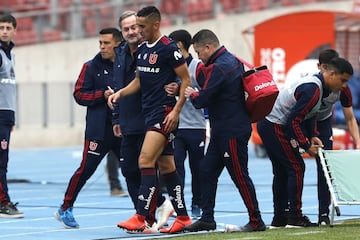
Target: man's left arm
[(352, 125), (172, 119)]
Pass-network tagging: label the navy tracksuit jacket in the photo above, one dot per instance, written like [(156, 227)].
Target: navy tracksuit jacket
[(95, 77)]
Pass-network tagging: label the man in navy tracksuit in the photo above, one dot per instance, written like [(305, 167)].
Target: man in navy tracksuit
[(92, 89), (223, 93), (291, 125)]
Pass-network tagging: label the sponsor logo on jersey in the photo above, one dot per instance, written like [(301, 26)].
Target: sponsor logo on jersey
[(149, 69), (226, 154)]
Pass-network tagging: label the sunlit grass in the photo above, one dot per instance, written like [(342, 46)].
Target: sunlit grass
[(349, 229)]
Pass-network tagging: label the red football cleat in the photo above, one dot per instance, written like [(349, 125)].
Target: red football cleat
[(177, 226), (135, 223)]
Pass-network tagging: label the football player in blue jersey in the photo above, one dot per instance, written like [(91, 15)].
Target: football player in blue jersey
[(159, 62)]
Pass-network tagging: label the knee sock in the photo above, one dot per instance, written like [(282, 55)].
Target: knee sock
[(148, 194), (176, 193)]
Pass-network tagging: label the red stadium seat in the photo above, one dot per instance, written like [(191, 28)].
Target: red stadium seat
[(230, 5), (256, 5), (51, 35), (90, 27), (24, 23), (287, 2), (171, 7), (65, 3), (307, 1), (26, 37)]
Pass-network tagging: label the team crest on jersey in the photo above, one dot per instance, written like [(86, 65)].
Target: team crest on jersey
[(294, 143), (4, 144), (93, 146), (153, 58)]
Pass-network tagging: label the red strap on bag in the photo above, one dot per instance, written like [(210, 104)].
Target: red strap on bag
[(260, 91)]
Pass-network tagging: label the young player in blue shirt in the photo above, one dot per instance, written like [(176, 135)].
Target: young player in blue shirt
[(159, 62)]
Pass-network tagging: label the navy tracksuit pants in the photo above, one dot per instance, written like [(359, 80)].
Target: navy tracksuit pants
[(5, 131), (93, 152), (190, 142), (231, 153), (288, 169)]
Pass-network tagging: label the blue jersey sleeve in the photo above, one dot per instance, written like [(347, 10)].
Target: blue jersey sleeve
[(346, 97)]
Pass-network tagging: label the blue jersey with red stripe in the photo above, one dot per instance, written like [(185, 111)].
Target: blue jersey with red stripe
[(156, 63), (222, 92), (89, 89)]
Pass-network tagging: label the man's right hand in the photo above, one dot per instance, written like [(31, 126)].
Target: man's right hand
[(117, 130), (112, 99)]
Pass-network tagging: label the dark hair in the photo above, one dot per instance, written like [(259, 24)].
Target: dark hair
[(326, 55), (205, 36), (8, 18), (114, 31), (149, 12), (182, 36), (340, 66)]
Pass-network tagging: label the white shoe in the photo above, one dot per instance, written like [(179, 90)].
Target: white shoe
[(164, 212), (147, 230), (150, 229)]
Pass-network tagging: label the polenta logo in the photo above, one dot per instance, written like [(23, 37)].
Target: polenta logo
[(153, 58), (264, 85)]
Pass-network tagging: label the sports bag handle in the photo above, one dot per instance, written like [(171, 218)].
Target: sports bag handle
[(245, 62)]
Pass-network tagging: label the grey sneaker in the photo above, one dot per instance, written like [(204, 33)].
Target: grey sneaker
[(10, 211)]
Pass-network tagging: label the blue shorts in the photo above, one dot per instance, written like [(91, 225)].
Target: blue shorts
[(154, 122)]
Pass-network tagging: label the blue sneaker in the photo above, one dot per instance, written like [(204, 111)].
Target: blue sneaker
[(66, 218)]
